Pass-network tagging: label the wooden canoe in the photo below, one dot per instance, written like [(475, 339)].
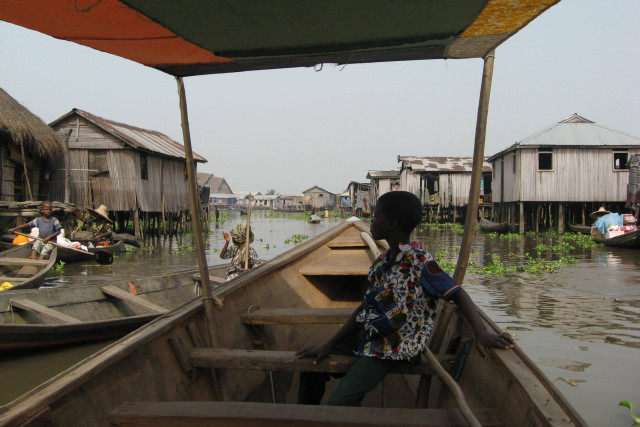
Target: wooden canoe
[(169, 372), (494, 227), (32, 319), (21, 272), (579, 228), (74, 255), (626, 240)]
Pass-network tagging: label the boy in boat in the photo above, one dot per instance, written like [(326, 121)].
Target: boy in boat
[(236, 253), (394, 322), (49, 229)]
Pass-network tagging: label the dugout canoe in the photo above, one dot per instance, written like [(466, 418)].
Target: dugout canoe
[(74, 255), (493, 227), (626, 240), (21, 272), (579, 228), (47, 317), (169, 372)]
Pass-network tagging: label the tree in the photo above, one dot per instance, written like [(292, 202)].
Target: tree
[(271, 192)]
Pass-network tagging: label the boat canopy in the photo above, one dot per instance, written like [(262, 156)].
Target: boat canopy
[(195, 37)]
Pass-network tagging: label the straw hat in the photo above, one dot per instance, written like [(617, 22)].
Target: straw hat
[(600, 212), (101, 212)]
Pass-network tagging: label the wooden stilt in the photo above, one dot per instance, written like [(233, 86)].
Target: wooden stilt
[(195, 207), (560, 218), (521, 220)]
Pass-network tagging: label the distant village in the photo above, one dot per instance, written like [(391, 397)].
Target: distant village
[(555, 176)]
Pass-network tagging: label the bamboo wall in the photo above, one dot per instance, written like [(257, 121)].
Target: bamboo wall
[(578, 175)]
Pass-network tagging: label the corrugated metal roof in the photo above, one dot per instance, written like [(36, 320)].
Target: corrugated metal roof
[(139, 138), (383, 174), (575, 131), (441, 164)]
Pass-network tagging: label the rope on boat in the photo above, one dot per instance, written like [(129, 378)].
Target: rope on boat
[(251, 309), (217, 302)]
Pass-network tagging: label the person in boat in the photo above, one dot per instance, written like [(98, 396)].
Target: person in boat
[(394, 322), (49, 228), (237, 251), (314, 216), (94, 224)]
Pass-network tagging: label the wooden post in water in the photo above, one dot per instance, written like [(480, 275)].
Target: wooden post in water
[(472, 208), (560, 218), (521, 220), (67, 166), (197, 231)]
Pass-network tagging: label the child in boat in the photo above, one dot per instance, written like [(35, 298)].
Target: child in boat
[(236, 253), (394, 322), (49, 229)]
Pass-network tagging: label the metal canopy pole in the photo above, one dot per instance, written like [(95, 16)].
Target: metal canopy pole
[(474, 195), (197, 231)]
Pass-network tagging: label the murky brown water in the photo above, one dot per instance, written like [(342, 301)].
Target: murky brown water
[(580, 324)]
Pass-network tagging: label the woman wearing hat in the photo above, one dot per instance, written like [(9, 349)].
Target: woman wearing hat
[(96, 221), (237, 251)]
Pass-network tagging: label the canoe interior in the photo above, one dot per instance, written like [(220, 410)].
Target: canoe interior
[(507, 384), (33, 319), (626, 240), (21, 272)]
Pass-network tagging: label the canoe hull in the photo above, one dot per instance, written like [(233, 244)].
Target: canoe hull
[(579, 228), (494, 227), (153, 357), (626, 240), (25, 276), (69, 255), (101, 316)]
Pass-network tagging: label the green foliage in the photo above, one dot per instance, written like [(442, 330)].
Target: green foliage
[(579, 240), (296, 239), (58, 267), (453, 226), (184, 247), (265, 246), (149, 248), (509, 236), (541, 247), (562, 247)]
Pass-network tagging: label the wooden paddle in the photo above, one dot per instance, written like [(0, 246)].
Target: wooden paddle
[(102, 257)]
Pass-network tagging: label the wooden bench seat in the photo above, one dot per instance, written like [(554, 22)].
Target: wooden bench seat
[(23, 261), (264, 360), (346, 262), (290, 316), (116, 292), (254, 414)]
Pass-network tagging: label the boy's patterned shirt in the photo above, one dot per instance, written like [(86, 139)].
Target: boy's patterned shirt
[(400, 303)]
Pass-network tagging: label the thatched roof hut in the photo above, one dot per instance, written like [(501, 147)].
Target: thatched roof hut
[(27, 143)]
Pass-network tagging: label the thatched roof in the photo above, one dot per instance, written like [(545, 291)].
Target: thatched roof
[(19, 125)]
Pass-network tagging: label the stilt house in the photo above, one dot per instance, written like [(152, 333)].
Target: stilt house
[(562, 173), (124, 167), (360, 198), (216, 189), (381, 182), (28, 150)]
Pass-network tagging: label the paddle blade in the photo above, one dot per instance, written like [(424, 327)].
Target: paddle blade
[(104, 257)]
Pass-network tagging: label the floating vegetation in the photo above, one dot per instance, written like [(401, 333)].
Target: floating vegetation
[(265, 246), (541, 247), (58, 267), (579, 240), (149, 248), (296, 239), (184, 247), (509, 236), (442, 258), (453, 226), (562, 247)]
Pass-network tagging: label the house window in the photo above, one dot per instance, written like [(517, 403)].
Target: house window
[(98, 164), (144, 174), (621, 161), (513, 166), (545, 160)]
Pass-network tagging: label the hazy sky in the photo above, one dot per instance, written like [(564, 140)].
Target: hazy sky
[(289, 130)]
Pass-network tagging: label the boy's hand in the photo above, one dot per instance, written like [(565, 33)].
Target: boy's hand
[(320, 353), (489, 339), (11, 230)]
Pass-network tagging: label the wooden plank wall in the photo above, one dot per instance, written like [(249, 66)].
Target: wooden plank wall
[(573, 178), (150, 190)]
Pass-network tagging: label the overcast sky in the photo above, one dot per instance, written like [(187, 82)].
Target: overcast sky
[(289, 130)]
